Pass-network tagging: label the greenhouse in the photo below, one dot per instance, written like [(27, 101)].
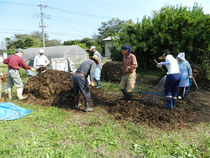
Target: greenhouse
[(75, 53)]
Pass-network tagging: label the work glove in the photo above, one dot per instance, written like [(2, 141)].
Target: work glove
[(92, 84), (159, 65), (190, 77), (33, 69)]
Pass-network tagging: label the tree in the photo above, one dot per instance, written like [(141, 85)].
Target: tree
[(38, 35), (110, 28), (179, 29), (53, 42)]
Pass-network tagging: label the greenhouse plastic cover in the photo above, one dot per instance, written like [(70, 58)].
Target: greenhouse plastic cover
[(10, 111), (76, 54)]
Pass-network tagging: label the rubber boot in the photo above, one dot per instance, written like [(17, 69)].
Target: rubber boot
[(174, 102), (87, 106), (129, 96), (125, 94), (98, 84), (77, 104), (10, 92), (20, 94), (169, 103)]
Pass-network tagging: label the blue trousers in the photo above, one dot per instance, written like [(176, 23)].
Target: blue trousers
[(172, 85), (97, 74)]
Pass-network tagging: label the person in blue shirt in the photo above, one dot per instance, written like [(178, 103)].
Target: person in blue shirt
[(186, 74), (172, 80)]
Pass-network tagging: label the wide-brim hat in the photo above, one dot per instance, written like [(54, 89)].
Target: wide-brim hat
[(181, 56), (95, 58)]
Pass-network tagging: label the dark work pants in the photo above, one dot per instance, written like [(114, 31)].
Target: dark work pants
[(172, 85), (182, 91), (80, 84)]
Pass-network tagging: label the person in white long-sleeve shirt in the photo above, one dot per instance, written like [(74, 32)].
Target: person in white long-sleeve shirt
[(172, 80), (40, 60)]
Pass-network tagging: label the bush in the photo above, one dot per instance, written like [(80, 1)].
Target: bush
[(178, 29)]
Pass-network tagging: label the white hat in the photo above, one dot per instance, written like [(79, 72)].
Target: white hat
[(41, 51), (92, 47), (181, 56)]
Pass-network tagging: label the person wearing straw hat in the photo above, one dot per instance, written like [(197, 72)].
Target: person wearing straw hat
[(186, 74), (80, 82), (172, 80), (128, 79), (14, 63)]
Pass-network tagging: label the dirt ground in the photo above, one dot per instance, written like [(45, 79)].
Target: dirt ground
[(55, 88)]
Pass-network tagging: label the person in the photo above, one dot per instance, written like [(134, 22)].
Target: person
[(40, 60), (80, 82), (186, 74), (128, 79), (14, 63), (172, 80), (97, 74)]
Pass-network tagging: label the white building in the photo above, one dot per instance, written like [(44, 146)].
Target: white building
[(108, 44)]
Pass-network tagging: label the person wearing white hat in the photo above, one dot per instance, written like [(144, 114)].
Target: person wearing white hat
[(186, 74), (97, 74), (40, 60)]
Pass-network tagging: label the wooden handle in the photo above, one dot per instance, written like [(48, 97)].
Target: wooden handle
[(195, 82), (161, 67)]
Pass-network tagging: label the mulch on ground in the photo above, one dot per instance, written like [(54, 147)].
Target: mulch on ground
[(112, 71), (55, 88)]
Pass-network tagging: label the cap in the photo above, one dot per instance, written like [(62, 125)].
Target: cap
[(92, 47), (41, 51), (19, 50)]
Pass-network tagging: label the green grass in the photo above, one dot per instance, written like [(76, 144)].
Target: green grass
[(54, 132), (57, 133)]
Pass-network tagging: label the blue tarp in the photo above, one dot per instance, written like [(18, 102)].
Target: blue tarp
[(10, 111)]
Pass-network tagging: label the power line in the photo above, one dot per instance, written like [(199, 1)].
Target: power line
[(58, 9), (78, 13), (15, 3)]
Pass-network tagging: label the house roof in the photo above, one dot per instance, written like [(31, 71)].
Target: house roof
[(107, 39)]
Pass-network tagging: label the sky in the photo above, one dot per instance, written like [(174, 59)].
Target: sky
[(76, 19)]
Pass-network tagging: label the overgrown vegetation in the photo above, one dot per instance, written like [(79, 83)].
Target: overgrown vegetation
[(179, 29)]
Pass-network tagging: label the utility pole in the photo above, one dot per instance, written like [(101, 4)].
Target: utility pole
[(42, 25)]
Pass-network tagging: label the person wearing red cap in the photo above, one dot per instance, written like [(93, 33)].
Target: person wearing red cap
[(14, 63)]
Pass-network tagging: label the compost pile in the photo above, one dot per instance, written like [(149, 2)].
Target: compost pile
[(41, 69), (201, 77), (112, 71), (55, 88), (52, 87)]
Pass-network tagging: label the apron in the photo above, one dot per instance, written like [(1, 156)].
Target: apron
[(184, 75)]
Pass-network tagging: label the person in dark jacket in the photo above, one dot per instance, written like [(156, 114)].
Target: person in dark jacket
[(80, 82), (14, 63)]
